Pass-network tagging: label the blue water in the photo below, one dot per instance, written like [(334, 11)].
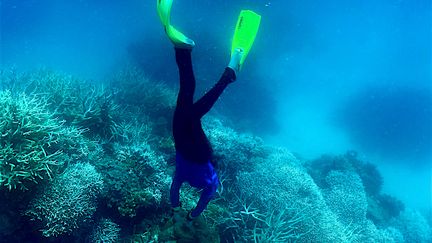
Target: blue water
[(323, 76)]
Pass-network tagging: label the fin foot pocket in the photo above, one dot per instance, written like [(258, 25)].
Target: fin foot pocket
[(177, 38)]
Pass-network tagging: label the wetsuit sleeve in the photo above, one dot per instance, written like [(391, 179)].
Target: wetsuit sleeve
[(207, 194), (187, 78), (175, 191), (203, 105)]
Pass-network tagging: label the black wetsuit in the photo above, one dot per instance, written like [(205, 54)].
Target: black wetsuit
[(194, 152), (190, 139)]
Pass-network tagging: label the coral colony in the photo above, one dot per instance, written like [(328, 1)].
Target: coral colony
[(89, 162)]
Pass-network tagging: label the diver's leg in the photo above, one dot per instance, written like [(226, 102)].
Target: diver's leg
[(235, 61), (203, 105), (187, 78)]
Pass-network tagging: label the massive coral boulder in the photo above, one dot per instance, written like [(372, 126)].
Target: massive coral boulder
[(281, 194)]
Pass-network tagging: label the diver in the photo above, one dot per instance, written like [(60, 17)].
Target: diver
[(193, 149)]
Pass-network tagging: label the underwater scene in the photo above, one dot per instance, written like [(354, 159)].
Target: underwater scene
[(215, 121)]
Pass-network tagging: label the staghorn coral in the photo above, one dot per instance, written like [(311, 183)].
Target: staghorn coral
[(68, 202), (245, 222), (105, 231), (76, 102), (34, 143), (132, 88), (98, 115), (142, 100), (30, 136), (61, 92), (135, 133)]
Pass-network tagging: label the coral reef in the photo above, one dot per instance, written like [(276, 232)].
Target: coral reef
[(81, 103), (33, 141), (105, 231), (98, 115), (84, 154), (131, 87), (233, 152), (298, 197), (371, 178), (381, 207), (68, 202), (61, 93), (413, 226), (346, 197), (138, 179)]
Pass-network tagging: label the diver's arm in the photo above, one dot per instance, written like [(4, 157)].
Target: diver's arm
[(203, 105)]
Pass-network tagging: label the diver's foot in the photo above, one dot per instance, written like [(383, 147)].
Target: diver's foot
[(236, 57), (179, 39)]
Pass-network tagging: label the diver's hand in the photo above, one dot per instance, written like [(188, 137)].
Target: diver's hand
[(189, 217), (177, 214)]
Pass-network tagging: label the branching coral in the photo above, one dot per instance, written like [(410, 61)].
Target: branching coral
[(29, 138), (33, 142), (247, 223), (68, 202), (75, 101), (131, 87), (142, 98), (345, 196), (135, 133), (106, 231), (61, 92), (97, 114)]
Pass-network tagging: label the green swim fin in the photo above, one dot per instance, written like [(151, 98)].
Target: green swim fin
[(164, 11), (246, 30), (178, 38)]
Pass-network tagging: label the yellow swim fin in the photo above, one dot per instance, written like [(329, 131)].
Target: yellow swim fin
[(164, 11), (245, 32), (176, 37)]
